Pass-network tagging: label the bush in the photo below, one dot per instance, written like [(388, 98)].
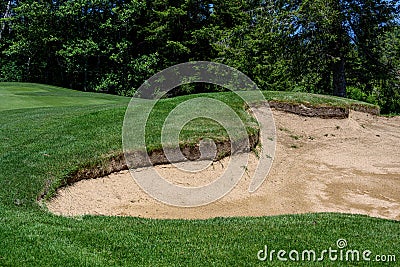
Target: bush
[(10, 71), (357, 94)]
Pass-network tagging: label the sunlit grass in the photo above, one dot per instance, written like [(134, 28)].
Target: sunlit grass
[(42, 145)]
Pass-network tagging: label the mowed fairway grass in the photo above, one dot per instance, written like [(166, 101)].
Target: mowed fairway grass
[(48, 133)]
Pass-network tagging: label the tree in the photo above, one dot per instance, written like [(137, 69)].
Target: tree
[(319, 46), (32, 38), (387, 89), (335, 27), (255, 44), (5, 12)]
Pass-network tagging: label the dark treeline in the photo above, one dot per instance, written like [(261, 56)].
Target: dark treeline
[(340, 47)]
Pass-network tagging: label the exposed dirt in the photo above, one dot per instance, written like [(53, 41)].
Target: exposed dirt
[(347, 165), (324, 112)]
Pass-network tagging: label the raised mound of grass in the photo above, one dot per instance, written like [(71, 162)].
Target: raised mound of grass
[(44, 141)]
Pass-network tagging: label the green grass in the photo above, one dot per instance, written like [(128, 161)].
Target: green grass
[(42, 144), (200, 128), (25, 95), (314, 99)]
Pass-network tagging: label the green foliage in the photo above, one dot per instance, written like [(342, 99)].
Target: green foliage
[(114, 46), (10, 71), (389, 85), (134, 73), (358, 94), (259, 50), (318, 47)]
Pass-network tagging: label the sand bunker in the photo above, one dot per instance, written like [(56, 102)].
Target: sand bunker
[(321, 165)]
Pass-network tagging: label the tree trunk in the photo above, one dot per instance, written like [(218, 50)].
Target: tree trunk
[(85, 75), (339, 78), (7, 14)]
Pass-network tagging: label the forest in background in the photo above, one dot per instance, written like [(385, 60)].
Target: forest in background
[(348, 48)]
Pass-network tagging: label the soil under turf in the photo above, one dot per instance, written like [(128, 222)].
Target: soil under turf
[(347, 165)]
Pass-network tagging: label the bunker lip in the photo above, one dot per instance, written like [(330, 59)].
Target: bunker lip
[(321, 165), (117, 163)]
